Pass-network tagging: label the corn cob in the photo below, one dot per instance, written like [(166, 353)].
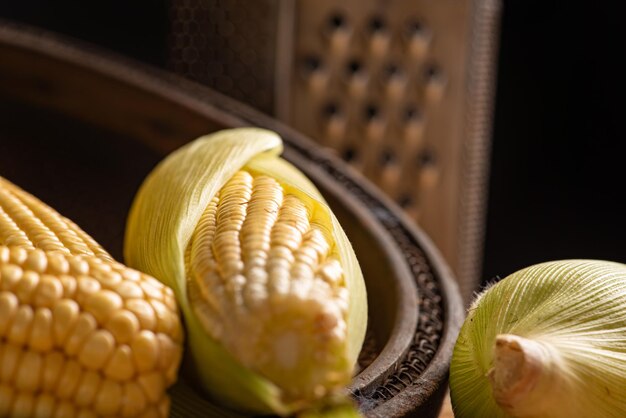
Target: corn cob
[(273, 297), (27, 222), (80, 334)]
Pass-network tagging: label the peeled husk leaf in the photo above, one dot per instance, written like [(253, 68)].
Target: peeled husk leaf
[(548, 341), (161, 223)]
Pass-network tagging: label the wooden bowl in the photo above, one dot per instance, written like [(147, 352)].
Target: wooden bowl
[(81, 130)]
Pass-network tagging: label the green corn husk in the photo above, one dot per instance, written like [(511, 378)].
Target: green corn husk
[(162, 223), (548, 341)]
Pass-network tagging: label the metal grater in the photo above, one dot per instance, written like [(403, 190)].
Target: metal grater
[(401, 90)]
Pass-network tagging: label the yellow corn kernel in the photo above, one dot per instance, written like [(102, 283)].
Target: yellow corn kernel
[(45, 405), (120, 365), (135, 400), (87, 388), (41, 338), (69, 357), (108, 399)]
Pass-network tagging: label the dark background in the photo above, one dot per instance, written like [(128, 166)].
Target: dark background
[(558, 162)]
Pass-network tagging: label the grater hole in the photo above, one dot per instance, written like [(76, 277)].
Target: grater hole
[(354, 68), (433, 73), (392, 70), (377, 25), (387, 158), (311, 64), (337, 22), (415, 28), (331, 110), (372, 112), (350, 154), (406, 201), (412, 114), (426, 159)]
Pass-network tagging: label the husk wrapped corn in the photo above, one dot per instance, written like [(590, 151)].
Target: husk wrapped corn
[(271, 291)]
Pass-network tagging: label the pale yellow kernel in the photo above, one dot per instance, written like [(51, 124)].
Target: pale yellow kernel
[(6, 399), (153, 385), (18, 255), (11, 358), (143, 311), (64, 319), (97, 264), (50, 290), (36, 261), (8, 309), (58, 264), (85, 326), (145, 348), (170, 300), (23, 405), (87, 286), (166, 319), (28, 375), (332, 272), (18, 239), (124, 325), (69, 284), (167, 350), (151, 289), (50, 243), (169, 356), (134, 400), (65, 409), (107, 279), (25, 288), (45, 405), (68, 381), (10, 275), (4, 254), (164, 407), (151, 412), (102, 304), (152, 282), (97, 350), (129, 290), (130, 274), (120, 366), (86, 413), (78, 266), (21, 326), (41, 337), (109, 397), (53, 364), (87, 389)]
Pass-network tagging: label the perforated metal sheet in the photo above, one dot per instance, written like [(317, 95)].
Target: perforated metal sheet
[(401, 90)]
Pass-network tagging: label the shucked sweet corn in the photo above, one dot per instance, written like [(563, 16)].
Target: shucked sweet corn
[(272, 294), (264, 281), (80, 335)]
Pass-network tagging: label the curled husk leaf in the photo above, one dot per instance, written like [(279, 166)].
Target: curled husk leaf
[(548, 341), (162, 223)]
